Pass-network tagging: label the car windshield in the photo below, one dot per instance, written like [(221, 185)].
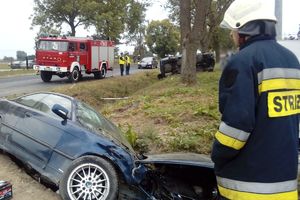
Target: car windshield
[(147, 59), (93, 120), (47, 45)]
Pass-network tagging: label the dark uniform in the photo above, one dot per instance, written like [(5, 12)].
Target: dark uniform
[(255, 151)]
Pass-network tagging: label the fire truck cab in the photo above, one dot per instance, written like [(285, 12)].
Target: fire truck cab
[(73, 57)]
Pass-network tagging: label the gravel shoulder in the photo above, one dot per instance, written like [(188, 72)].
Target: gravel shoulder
[(24, 186)]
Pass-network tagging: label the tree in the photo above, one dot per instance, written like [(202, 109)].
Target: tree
[(162, 37), (198, 24), (8, 59), (119, 18), (191, 32), (21, 55), (53, 13), (110, 18)]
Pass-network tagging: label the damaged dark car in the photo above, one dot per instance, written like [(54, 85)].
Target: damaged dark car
[(86, 157), (172, 64)]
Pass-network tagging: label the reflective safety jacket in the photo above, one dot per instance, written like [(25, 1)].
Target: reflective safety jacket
[(121, 60), (127, 58), (255, 149)]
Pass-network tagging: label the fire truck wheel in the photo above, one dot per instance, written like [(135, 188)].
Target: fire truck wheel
[(74, 75), (101, 74), (46, 76)]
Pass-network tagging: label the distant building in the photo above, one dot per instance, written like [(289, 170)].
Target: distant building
[(278, 13)]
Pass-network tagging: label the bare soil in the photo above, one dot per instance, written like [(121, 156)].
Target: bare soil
[(24, 186)]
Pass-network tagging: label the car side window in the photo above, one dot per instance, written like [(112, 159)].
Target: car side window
[(31, 100), (82, 47), (45, 105), (45, 102), (72, 46), (88, 117)]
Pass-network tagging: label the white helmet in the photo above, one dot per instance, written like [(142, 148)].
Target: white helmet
[(240, 12)]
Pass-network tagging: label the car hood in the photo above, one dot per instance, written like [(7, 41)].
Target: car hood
[(191, 159)]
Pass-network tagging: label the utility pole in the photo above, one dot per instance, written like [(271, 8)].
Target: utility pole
[(298, 35), (278, 13)]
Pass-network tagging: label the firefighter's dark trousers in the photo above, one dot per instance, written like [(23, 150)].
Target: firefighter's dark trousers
[(127, 69), (122, 69)]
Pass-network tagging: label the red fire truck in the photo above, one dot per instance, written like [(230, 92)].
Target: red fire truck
[(72, 57)]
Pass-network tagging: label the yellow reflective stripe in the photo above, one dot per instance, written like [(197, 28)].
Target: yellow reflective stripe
[(229, 141), (277, 84), (285, 103), (237, 195)]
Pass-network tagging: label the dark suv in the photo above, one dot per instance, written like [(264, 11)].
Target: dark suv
[(172, 64)]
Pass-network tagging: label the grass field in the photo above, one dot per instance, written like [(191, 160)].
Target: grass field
[(6, 71), (158, 115), (18, 72), (4, 66)]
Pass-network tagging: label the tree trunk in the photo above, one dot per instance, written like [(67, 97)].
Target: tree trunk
[(73, 30), (191, 36), (188, 70), (188, 62)]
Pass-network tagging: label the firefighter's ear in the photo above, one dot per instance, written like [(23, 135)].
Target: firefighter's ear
[(230, 77)]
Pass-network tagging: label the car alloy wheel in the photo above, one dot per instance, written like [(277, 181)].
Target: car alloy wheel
[(88, 181), (89, 178)]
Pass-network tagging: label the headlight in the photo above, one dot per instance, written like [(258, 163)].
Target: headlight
[(149, 63)]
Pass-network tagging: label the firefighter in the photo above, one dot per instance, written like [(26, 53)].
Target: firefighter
[(255, 149), (127, 59), (121, 63)]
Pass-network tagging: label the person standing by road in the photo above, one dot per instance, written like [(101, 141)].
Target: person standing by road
[(121, 63), (256, 147), (127, 59)]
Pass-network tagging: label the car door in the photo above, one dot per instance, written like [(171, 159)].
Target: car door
[(8, 121), (39, 129), (83, 54)]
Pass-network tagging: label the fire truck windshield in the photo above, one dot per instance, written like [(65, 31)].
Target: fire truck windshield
[(47, 45)]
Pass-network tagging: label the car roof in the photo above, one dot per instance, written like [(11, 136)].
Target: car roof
[(52, 93)]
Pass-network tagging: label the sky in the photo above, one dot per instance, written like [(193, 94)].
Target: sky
[(15, 33)]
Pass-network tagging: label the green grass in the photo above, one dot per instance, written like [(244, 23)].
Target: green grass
[(159, 115), (16, 72)]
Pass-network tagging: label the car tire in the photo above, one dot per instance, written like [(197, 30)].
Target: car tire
[(101, 74), (211, 66), (74, 76), (89, 176), (46, 76)]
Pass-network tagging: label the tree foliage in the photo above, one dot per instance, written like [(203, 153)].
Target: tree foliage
[(111, 18), (21, 55), (53, 13), (8, 59), (163, 37)]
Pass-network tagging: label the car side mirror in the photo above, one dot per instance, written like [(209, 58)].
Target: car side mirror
[(60, 111)]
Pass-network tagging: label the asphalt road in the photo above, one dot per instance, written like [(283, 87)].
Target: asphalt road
[(19, 85)]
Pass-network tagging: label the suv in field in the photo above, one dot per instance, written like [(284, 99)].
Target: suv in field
[(172, 64)]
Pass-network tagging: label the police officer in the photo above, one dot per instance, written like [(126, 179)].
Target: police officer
[(127, 59), (122, 63), (255, 149)]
